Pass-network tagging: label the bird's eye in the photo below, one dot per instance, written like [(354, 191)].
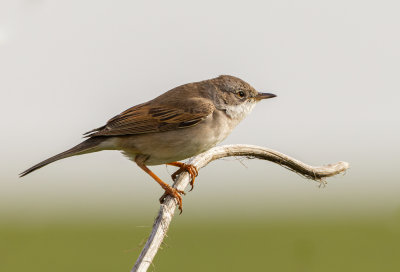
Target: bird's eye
[(241, 94)]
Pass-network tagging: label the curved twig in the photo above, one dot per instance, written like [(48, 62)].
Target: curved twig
[(167, 209)]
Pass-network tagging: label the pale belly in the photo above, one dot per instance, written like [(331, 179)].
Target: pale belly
[(170, 146)]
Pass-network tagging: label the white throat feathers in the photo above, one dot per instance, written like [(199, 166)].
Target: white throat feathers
[(239, 112)]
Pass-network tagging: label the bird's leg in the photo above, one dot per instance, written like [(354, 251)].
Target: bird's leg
[(175, 193), (193, 172)]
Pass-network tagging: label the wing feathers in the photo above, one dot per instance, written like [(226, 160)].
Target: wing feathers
[(145, 118)]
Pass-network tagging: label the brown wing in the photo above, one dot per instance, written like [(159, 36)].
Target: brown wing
[(145, 118)]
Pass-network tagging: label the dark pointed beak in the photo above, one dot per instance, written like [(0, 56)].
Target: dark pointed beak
[(261, 96)]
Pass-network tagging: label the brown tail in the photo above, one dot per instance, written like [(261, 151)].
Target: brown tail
[(85, 147)]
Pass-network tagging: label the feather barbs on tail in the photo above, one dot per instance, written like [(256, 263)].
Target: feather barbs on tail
[(88, 146)]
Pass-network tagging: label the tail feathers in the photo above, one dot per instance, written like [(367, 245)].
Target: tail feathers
[(85, 147)]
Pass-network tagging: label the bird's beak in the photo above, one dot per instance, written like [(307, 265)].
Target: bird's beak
[(261, 96)]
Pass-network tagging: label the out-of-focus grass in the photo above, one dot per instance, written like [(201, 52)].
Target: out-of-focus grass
[(279, 245)]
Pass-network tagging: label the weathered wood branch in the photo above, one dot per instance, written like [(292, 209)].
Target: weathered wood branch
[(167, 209)]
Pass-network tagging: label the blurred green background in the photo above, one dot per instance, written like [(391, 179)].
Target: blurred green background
[(312, 244), (68, 66)]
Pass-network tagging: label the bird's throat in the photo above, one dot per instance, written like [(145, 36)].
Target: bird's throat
[(239, 112)]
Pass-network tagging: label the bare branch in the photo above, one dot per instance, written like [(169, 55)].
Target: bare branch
[(167, 209)]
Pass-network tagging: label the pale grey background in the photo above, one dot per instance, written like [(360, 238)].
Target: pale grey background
[(68, 66)]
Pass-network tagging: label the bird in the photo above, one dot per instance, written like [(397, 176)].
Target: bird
[(180, 123)]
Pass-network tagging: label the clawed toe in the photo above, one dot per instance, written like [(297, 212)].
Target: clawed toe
[(192, 170), (175, 193), (176, 173)]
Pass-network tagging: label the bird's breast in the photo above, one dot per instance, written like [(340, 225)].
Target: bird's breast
[(179, 144)]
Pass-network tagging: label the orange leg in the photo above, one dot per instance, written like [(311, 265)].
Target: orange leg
[(168, 189), (193, 172)]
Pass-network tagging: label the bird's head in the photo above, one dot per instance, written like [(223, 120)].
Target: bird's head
[(235, 96)]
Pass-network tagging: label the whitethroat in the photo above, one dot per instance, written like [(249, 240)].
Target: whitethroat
[(181, 123)]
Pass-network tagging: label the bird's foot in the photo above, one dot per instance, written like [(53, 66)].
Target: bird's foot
[(193, 172), (175, 193)]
